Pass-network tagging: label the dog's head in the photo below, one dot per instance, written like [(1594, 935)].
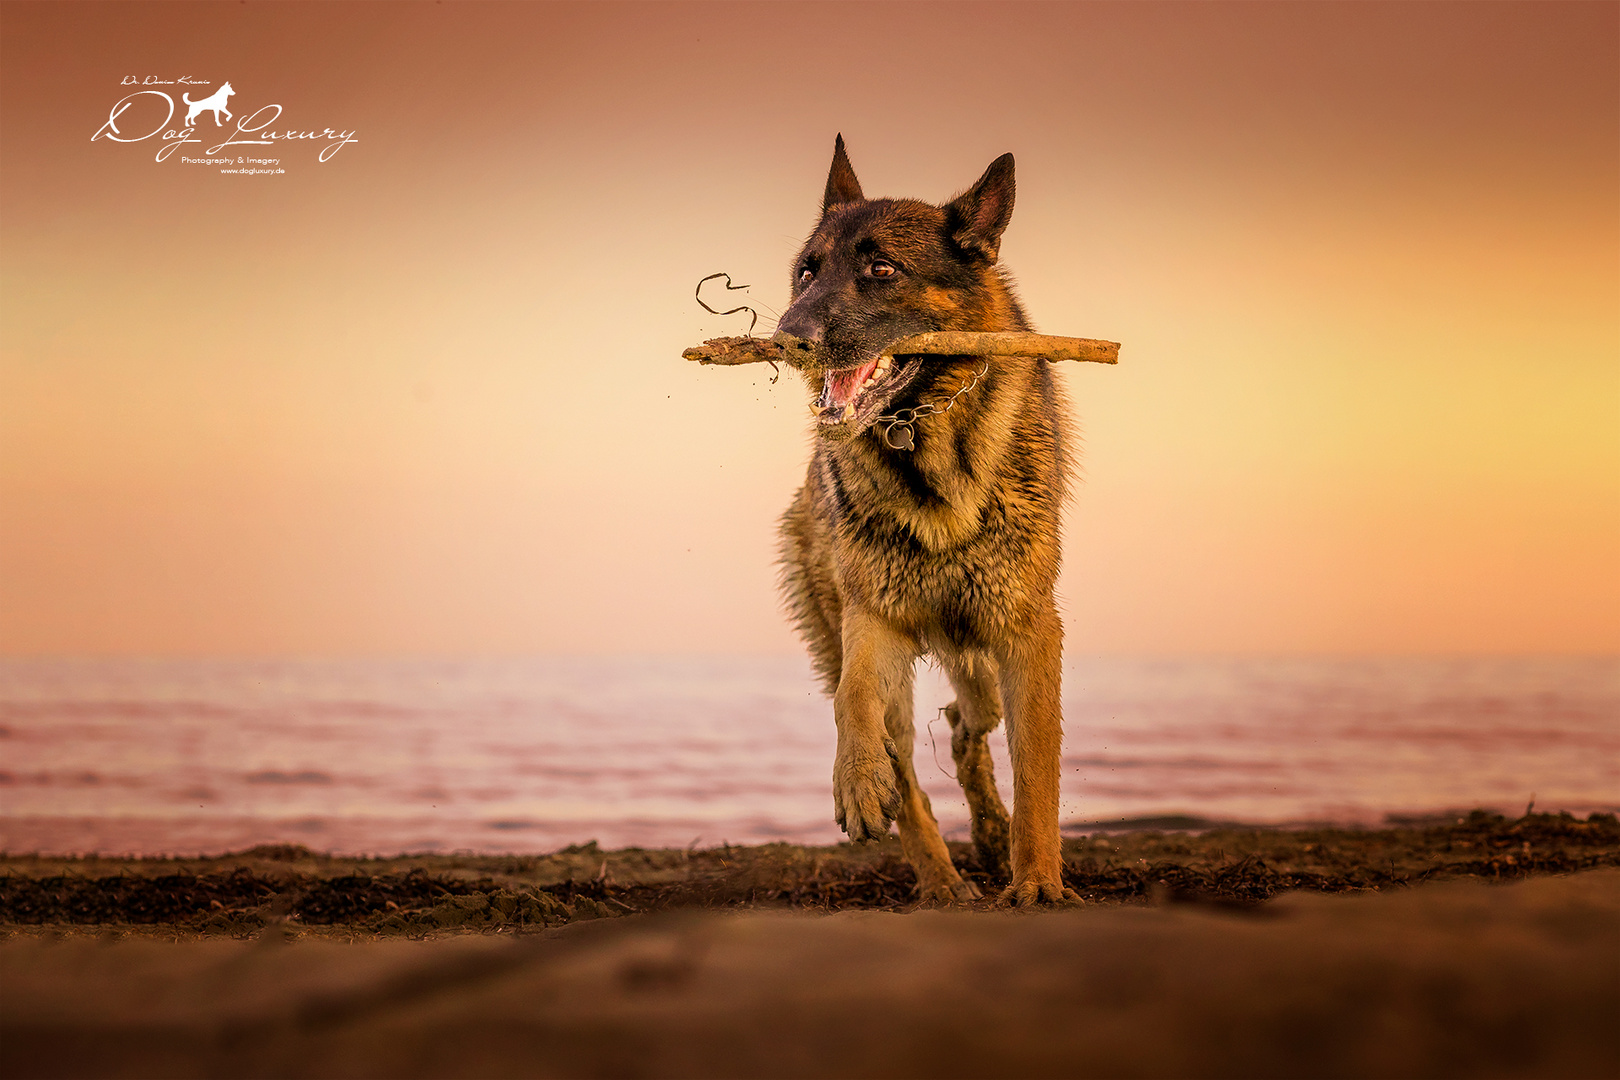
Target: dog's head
[(226, 90), (878, 270)]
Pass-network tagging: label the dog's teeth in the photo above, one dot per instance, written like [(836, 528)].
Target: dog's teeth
[(849, 412), (815, 411), (884, 362)]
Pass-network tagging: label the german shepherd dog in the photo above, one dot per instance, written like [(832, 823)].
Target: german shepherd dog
[(928, 525)]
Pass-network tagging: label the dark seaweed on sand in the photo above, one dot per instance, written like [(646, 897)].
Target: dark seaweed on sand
[(355, 896), (1226, 867), (124, 898)]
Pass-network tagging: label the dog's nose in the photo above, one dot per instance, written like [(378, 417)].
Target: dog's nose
[(801, 324)]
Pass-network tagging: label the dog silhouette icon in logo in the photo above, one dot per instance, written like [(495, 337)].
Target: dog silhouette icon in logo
[(214, 103)]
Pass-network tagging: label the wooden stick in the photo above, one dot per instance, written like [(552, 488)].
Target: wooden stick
[(797, 352), (1010, 343), (782, 349)]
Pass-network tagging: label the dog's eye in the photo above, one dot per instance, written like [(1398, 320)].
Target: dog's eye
[(881, 268)]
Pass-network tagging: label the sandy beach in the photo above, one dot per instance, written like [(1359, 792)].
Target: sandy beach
[(1218, 953), (1443, 980)]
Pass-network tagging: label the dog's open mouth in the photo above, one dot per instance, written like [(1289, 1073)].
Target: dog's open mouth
[(853, 397)]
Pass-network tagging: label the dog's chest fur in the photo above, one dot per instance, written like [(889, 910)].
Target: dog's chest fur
[(954, 540)]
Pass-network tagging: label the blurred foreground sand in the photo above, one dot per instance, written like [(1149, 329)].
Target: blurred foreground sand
[(1451, 979)]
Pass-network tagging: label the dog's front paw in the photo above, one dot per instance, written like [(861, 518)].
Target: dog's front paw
[(950, 891), (1036, 891), (866, 798)]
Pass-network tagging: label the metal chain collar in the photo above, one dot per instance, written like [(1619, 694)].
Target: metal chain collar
[(897, 427)]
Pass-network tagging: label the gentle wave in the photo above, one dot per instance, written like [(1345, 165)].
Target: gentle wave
[(184, 756)]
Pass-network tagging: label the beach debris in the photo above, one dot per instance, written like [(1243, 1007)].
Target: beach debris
[(1223, 866), (698, 293)]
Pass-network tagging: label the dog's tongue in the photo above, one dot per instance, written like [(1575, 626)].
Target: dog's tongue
[(842, 387)]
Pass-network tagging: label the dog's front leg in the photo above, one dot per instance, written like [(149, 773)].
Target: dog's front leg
[(1032, 691), (866, 797)]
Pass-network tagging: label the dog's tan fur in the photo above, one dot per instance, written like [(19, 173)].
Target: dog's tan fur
[(949, 550)]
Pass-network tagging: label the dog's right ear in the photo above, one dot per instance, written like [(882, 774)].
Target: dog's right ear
[(979, 216), (842, 187)]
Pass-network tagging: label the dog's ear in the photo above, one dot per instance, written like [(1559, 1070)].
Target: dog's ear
[(842, 187), (979, 216)]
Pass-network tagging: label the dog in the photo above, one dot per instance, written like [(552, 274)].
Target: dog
[(928, 526), (214, 103)]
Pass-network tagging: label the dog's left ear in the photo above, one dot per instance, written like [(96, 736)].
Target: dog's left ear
[(979, 216), (842, 187)]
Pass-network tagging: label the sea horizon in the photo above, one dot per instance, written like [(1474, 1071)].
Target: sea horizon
[(384, 755)]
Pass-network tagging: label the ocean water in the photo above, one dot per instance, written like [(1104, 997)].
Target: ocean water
[(383, 757)]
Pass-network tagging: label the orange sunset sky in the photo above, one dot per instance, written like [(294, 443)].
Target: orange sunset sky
[(427, 396)]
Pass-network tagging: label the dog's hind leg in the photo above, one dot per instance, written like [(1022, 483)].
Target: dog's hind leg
[(925, 848), (1031, 686), (973, 715)]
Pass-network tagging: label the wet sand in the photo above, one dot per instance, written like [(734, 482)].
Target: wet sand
[(1475, 948), (1455, 979)]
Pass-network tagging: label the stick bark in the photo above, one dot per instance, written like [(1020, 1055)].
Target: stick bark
[(797, 352)]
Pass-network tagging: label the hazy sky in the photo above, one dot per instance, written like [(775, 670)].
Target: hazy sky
[(427, 396)]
